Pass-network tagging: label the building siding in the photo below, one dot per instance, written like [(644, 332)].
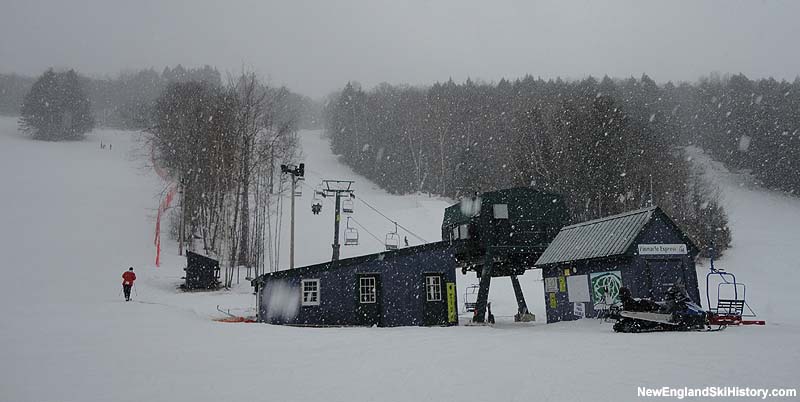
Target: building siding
[(642, 274), (402, 291)]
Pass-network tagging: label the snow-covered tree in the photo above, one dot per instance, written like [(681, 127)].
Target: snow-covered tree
[(57, 108)]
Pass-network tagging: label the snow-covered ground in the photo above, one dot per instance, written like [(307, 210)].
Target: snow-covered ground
[(765, 254), (73, 217)]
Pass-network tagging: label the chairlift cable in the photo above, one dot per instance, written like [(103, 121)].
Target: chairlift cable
[(366, 230), (391, 220), (358, 197)]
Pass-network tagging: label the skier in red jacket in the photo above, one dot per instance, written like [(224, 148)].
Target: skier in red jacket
[(127, 283)]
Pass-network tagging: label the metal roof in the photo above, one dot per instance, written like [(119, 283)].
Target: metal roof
[(602, 237)]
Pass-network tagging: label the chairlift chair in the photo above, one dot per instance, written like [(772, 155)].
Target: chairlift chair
[(347, 205), (316, 200), (732, 308), (471, 297), (298, 188), (392, 239), (350, 235)]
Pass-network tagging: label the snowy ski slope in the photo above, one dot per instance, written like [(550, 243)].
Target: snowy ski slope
[(73, 217)]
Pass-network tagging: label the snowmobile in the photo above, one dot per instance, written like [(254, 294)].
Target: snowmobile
[(676, 313)]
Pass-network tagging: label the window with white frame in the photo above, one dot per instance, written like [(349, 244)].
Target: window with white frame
[(433, 287), (366, 289), (310, 290)]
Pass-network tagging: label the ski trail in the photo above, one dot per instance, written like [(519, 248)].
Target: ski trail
[(764, 254)]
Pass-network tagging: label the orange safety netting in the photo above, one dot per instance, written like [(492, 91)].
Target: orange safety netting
[(162, 207)]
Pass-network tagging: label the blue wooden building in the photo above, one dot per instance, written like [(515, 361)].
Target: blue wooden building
[(412, 286), (586, 264)]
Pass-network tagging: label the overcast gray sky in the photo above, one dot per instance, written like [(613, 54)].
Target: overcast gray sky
[(315, 47)]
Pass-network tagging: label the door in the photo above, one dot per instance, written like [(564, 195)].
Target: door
[(662, 274), (369, 306), (435, 307)]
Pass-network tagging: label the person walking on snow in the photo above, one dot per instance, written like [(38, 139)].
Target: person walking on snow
[(127, 283)]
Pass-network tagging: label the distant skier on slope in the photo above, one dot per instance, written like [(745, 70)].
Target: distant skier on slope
[(127, 282)]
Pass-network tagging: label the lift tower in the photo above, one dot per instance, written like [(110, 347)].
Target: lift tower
[(501, 234), (336, 188)]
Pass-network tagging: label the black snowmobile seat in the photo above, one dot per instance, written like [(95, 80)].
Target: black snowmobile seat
[(631, 304)]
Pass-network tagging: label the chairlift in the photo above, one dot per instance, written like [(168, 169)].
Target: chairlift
[(347, 205), (731, 301), (350, 235), (316, 200), (471, 297), (298, 187), (392, 239)]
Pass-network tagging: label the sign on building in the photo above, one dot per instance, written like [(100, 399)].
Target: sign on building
[(579, 310), (551, 284), (451, 302), (662, 249)]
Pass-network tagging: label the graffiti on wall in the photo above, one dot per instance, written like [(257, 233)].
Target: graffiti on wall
[(605, 288)]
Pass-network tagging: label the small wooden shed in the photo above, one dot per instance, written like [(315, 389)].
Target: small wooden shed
[(587, 263), (201, 272)]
